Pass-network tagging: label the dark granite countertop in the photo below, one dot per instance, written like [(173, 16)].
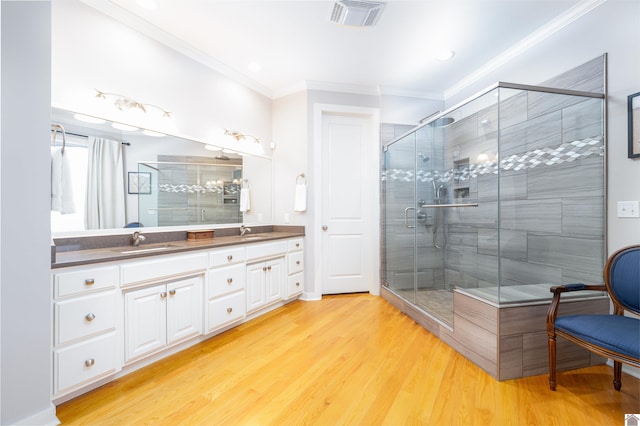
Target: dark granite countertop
[(76, 254)]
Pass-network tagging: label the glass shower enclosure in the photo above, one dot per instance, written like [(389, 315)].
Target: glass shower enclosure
[(500, 197)]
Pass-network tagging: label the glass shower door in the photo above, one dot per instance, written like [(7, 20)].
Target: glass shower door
[(399, 217)]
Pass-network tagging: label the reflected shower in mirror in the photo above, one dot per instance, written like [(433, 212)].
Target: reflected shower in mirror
[(167, 181)]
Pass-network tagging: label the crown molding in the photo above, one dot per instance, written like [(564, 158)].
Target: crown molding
[(547, 30), (407, 93), (354, 89), (148, 29)]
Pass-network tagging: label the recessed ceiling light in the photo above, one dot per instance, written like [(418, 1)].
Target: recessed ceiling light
[(445, 55), (125, 127), (254, 67), (89, 119)]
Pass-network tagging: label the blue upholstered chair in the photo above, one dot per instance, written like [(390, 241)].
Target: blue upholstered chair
[(613, 336)]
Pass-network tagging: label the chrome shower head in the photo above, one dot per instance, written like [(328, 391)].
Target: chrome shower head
[(424, 157)]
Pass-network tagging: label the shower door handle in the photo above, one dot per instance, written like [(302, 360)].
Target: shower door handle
[(447, 206), (406, 211)]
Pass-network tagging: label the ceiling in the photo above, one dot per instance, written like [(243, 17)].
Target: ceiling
[(297, 46)]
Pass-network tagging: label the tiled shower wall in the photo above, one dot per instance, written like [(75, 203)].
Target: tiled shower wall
[(547, 213), (550, 219), (178, 204)]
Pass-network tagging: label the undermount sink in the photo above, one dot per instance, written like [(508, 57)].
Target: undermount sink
[(253, 237), (147, 249)]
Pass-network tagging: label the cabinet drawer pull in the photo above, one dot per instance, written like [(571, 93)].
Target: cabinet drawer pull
[(229, 310), (268, 268), (297, 284), (229, 280), (163, 295), (297, 262), (264, 268), (89, 362), (172, 292), (89, 317), (297, 244), (89, 281), (229, 258)]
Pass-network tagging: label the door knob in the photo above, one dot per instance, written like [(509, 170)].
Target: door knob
[(324, 227)]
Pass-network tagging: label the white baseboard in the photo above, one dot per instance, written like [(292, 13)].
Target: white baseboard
[(43, 418)]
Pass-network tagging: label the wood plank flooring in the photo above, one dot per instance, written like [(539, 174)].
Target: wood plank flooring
[(345, 360)]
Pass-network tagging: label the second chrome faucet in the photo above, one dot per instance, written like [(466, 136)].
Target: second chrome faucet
[(244, 230), (137, 238)]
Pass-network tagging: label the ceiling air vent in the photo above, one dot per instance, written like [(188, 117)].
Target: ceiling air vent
[(356, 13)]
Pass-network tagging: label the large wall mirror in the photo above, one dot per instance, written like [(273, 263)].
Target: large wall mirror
[(116, 177)]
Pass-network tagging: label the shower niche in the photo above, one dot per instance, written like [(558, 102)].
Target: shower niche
[(485, 207)]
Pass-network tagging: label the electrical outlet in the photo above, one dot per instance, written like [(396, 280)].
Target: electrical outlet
[(286, 218), (628, 209)]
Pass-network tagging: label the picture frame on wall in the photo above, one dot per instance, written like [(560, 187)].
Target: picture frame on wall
[(633, 105), (139, 183)]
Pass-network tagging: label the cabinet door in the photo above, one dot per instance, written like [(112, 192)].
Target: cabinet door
[(184, 308), (145, 321), (274, 279), (256, 297)]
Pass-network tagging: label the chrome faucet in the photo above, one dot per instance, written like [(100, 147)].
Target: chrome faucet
[(137, 238), (244, 230)]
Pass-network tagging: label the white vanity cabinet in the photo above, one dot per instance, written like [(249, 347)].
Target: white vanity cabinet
[(86, 326), (225, 294), (161, 315), (162, 301), (295, 267), (266, 272)]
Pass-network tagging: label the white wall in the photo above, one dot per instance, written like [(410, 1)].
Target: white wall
[(407, 110), (610, 28), (93, 51), (25, 282), (290, 156)]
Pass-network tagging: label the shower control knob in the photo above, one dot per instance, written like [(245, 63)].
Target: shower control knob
[(324, 227)]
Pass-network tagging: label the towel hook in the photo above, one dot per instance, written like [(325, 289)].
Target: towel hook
[(64, 135), (301, 178)]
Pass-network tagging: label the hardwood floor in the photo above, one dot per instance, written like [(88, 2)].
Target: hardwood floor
[(345, 360)]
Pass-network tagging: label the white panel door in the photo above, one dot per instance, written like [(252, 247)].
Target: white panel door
[(146, 320), (347, 183), (184, 308)]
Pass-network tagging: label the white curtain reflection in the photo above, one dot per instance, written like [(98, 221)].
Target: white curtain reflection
[(105, 201)]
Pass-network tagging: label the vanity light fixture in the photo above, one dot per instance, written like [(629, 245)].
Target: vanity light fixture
[(212, 148), (125, 103), (240, 136)]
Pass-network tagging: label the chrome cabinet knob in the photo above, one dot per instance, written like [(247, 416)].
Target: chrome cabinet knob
[(89, 362), (229, 258), (229, 310), (268, 268), (297, 284), (89, 281), (229, 281), (90, 316), (163, 295), (264, 268), (297, 262), (297, 244), (172, 292), (324, 227)]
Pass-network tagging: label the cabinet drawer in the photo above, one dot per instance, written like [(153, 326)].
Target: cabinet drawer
[(261, 251), (83, 363), (84, 280), (163, 267), (296, 262), (226, 280), (295, 285), (225, 310), (83, 316), (295, 245), (226, 256)]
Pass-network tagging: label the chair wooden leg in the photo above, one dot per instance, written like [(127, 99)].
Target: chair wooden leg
[(617, 375), (552, 363)]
